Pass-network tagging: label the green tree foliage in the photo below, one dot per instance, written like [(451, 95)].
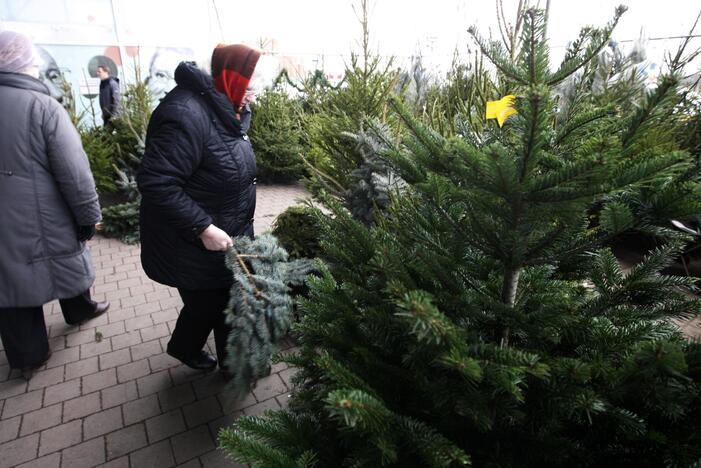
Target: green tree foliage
[(368, 83), (451, 105), (344, 110), (100, 148), (129, 140), (651, 122), (97, 143), (298, 230), (375, 180), (260, 308), (129, 133), (690, 129), (445, 335), (122, 222), (276, 137), (313, 87)]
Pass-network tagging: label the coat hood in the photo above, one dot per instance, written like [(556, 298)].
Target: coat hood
[(190, 77), (22, 81)]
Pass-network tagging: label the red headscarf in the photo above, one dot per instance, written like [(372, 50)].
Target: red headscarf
[(232, 68)]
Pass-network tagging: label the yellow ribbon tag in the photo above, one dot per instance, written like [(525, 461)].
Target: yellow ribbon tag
[(501, 109)]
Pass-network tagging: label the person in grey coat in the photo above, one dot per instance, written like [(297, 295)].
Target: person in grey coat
[(49, 209)]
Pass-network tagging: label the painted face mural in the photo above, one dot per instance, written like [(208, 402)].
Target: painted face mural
[(161, 70), (51, 75)]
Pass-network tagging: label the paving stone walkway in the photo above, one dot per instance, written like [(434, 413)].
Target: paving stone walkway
[(110, 396)]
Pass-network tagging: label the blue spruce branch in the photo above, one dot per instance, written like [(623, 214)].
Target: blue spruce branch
[(260, 307)]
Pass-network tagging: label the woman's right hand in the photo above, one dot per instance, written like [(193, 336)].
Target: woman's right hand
[(215, 239)]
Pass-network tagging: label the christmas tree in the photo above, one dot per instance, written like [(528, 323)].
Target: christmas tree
[(129, 142), (449, 334), (614, 83), (276, 137), (368, 82)]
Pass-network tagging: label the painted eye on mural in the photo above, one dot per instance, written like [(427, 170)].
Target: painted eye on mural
[(161, 75), (53, 74)]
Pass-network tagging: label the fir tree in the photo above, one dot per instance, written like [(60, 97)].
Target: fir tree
[(129, 142), (260, 308), (447, 335), (374, 179), (611, 88), (122, 222), (367, 84), (100, 150), (297, 230), (276, 137), (457, 103)]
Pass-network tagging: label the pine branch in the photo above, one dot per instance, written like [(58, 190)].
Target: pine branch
[(355, 408), (259, 310), (571, 171), (436, 450), (248, 449), (645, 113), (599, 39), (248, 273), (582, 121), (496, 55), (546, 240), (428, 323), (338, 186)]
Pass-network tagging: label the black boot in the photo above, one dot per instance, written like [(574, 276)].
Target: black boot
[(28, 371), (202, 361)]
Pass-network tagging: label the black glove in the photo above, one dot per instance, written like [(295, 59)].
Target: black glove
[(85, 233)]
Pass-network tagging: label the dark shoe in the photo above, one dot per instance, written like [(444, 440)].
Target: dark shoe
[(203, 361), (28, 372), (100, 308)]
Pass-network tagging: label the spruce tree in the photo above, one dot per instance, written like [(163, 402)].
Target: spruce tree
[(612, 83), (129, 142), (297, 230), (367, 84), (447, 334), (276, 137)]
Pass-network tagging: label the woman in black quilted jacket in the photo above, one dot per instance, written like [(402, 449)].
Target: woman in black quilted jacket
[(197, 182)]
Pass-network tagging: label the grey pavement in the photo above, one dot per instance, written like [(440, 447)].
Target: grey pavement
[(110, 396)]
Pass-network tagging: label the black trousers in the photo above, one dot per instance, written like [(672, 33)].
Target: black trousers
[(202, 312), (23, 330)]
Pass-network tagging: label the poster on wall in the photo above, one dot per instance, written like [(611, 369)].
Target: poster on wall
[(70, 72), (71, 69), (74, 37), (158, 66)]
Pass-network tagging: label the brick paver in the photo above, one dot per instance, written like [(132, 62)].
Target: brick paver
[(103, 422), (165, 425), (110, 396), (86, 455)]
